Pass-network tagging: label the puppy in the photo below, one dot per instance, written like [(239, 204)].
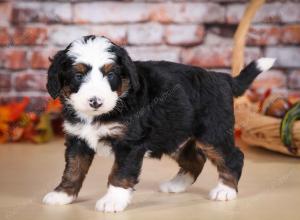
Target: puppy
[(133, 108)]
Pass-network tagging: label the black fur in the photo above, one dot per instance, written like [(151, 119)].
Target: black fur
[(55, 82), (166, 104), (128, 67), (78, 157), (245, 78)]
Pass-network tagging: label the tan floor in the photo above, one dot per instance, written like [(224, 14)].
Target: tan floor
[(269, 188)]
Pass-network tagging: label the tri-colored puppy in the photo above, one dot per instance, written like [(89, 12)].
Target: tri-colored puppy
[(130, 108)]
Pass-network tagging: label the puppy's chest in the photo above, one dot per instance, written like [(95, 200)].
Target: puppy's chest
[(96, 134)]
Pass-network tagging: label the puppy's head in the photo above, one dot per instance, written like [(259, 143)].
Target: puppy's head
[(91, 74)]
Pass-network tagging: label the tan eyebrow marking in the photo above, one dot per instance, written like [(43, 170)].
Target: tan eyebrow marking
[(105, 69), (81, 68)]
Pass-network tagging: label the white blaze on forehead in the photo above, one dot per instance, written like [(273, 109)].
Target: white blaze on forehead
[(93, 52)]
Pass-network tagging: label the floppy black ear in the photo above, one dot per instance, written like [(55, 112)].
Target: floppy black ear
[(54, 83), (129, 68)]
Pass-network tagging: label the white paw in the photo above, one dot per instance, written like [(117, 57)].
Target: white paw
[(58, 198), (222, 193), (115, 200), (178, 184)]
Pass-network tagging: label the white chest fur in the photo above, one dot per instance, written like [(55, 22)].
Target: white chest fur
[(92, 133)]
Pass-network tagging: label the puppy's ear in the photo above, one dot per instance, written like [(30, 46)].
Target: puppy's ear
[(129, 68), (54, 83)]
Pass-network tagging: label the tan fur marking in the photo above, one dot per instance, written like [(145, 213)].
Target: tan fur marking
[(80, 68), (112, 172), (106, 68), (228, 180), (189, 159), (66, 91), (211, 153), (74, 174), (115, 181), (124, 87), (217, 159)]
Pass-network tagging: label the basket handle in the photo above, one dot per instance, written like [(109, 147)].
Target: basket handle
[(240, 36)]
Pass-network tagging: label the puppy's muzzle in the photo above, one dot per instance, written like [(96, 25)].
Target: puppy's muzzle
[(95, 102)]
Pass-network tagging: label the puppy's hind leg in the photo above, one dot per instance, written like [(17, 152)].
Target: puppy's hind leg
[(229, 162), (191, 161)]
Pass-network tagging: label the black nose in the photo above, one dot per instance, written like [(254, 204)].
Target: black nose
[(95, 102)]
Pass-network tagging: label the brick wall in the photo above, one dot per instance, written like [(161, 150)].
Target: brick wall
[(193, 32)]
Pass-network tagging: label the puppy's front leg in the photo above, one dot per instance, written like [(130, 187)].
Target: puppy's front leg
[(122, 179), (78, 158)]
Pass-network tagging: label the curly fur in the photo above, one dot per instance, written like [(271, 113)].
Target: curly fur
[(164, 105)]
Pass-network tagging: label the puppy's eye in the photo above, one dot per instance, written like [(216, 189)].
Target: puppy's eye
[(110, 76), (78, 76)]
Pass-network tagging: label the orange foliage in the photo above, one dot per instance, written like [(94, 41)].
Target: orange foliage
[(16, 124), (12, 112), (54, 106)]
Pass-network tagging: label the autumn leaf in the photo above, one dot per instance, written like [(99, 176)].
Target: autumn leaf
[(43, 129), (54, 106)]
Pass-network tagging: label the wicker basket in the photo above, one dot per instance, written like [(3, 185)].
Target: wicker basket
[(260, 130), (257, 129)]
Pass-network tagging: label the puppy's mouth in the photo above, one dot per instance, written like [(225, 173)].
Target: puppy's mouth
[(94, 112)]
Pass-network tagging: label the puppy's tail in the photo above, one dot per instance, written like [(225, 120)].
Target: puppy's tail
[(248, 74)]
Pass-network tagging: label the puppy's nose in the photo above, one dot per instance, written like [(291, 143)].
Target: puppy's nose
[(95, 102)]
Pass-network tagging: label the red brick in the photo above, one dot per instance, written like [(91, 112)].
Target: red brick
[(291, 34), (30, 36), (5, 12), (219, 36), (286, 56), (30, 81), (46, 12), (267, 13), (116, 33), (154, 53), (107, 12), (215, 56), (188, 12), (4, 37), (212, 39), (63, 35), (294, 80), (5, 82), (270, 79), (207, 56), (290, 12), (139, 12), (149, 33), (2, 57), (14, 59), (37, 103), (39, 58), (226, 1), (234, 13), (285, 12), (264, 35), (184, 34)]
